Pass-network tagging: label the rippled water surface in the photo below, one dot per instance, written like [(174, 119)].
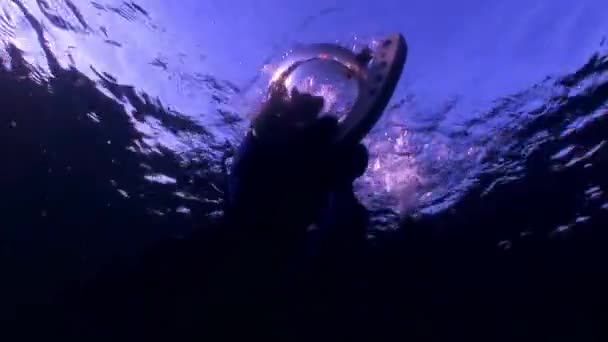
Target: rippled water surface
[(116, 117)]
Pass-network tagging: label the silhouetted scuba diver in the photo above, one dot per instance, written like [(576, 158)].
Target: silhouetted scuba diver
[(283, 257)]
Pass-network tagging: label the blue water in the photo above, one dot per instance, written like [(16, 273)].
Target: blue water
[(116, 116)]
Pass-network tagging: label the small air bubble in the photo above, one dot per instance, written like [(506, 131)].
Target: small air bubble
[(593, 190), (182, 210), (505, 245), (123, 193)]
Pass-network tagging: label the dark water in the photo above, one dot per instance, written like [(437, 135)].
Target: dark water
[(503, 210), (80, 183)]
